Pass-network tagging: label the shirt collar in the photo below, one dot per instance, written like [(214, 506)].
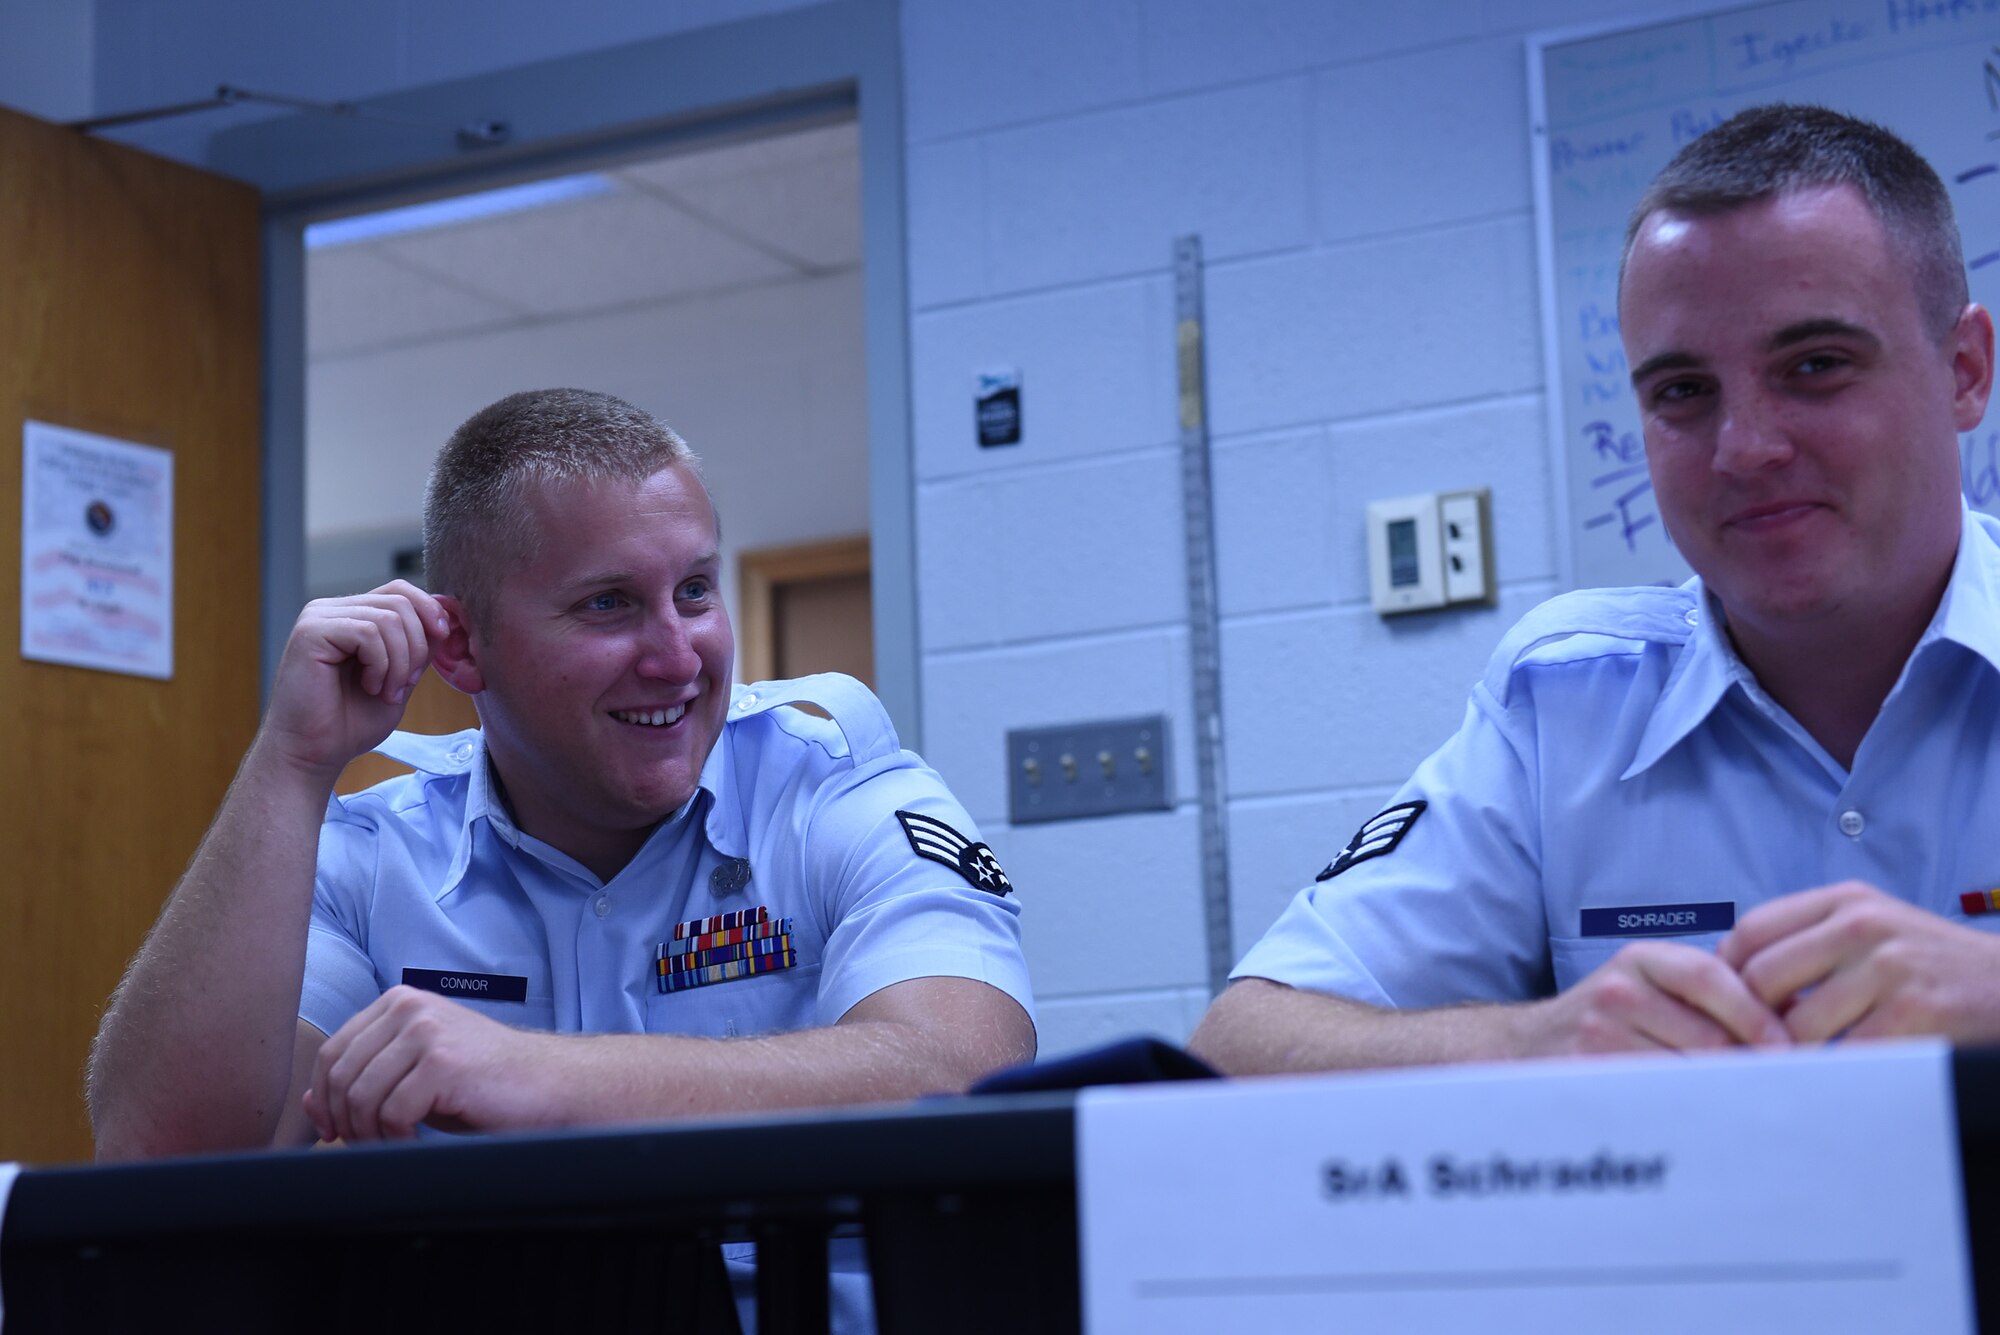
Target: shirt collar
[(1703, 673), (727, 828), (1968, 614), (465, 753), (484, 801), (449, 756)]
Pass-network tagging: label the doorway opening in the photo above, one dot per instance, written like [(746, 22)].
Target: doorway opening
[(717, 286)]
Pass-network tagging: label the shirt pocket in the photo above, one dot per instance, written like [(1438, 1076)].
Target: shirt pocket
[(770, 1003), (535, 1011), (1577, 957), (1978, 922)]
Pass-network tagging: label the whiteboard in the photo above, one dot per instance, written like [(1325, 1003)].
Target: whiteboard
[(1609, 108)]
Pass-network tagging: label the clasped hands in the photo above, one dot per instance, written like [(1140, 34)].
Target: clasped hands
[(1841, 961)]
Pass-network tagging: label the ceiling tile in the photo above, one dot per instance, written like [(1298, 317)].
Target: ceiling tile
[(357, 299), (599, 253), (811, 210), (782, 152)]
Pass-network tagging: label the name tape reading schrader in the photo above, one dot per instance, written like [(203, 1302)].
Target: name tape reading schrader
[(1659, 919)]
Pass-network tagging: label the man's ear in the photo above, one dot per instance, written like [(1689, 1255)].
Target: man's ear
[(1972, 366), (455, 657)]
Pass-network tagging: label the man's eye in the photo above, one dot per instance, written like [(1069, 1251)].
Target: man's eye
[(1820, 363), (602, 602), (695, 590), (1675, 392)]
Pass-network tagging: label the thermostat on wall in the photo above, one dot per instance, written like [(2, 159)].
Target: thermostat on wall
[(1431, 551)]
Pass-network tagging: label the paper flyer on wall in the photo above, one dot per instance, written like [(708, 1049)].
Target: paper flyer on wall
[(97, 552)]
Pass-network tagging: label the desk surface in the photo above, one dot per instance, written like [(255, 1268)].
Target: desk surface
[(968, 1207), (967, 1202), (824, 1159)]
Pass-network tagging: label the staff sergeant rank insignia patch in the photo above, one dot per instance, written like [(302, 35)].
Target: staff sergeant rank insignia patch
[(933, 839), (1378, 836)]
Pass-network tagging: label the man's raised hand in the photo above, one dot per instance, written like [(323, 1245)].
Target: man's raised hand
[(347, 671)]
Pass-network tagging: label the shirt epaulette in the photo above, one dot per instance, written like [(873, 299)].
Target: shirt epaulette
[(449, 753), (865, 732), (1588, 623)]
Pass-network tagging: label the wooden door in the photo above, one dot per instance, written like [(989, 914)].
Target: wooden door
[(806, 609), (128, 308)]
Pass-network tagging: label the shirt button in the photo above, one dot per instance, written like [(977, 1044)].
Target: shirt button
[(462, 752), (1851, 824), (602, 904), (749, 699), (1693, 617)]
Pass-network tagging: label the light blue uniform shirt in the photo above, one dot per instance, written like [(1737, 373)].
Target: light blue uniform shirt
[(428, 872), (1618, 755)]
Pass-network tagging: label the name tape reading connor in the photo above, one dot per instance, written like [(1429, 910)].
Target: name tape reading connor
[(478, 986)]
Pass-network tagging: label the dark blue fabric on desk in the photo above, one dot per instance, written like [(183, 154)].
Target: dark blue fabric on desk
[(1130, 1061)]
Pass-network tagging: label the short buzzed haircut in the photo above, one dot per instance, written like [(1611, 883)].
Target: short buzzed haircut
[(478, 518), (1782, 147)]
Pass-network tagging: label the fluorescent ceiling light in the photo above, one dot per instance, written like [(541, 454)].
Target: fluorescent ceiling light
[(457, 209)]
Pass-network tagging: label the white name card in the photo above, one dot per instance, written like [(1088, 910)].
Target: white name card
[(1804, 1190)]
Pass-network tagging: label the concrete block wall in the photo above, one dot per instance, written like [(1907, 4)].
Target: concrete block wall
[(47, 53), (1359, 175), (1360, 179)]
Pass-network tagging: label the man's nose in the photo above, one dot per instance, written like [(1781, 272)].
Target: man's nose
[(1751, 436), (668, 652)]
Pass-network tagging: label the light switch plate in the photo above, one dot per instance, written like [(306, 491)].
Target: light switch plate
[(1465, 530), (1099, 768)]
